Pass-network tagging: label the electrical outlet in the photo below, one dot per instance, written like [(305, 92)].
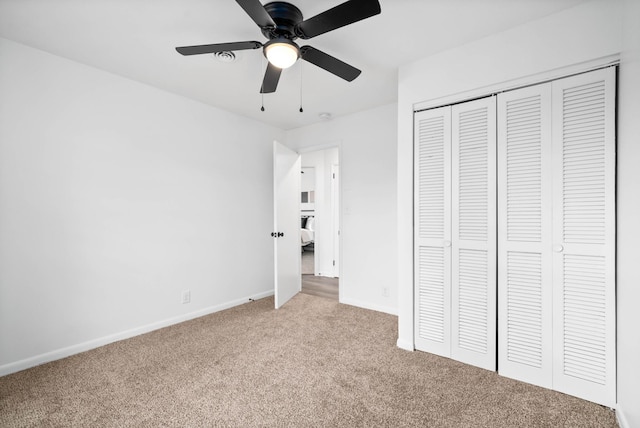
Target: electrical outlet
[(385, 291), (186, 296)]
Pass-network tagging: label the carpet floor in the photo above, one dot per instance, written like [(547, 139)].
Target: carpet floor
[(312, 363)]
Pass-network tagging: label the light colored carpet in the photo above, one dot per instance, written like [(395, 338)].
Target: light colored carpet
[(312, 363)]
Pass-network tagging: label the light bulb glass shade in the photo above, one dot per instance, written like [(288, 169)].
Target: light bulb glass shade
[(282, 54)]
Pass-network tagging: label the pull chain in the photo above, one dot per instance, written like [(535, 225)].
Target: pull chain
[(301, 110), (261, 66)]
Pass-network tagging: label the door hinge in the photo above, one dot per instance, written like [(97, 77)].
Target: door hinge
[(334, 175), (334, 262)]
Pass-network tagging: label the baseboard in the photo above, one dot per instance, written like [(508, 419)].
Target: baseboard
[(621, 418), (405, 344), (366, 305), (96, 343)]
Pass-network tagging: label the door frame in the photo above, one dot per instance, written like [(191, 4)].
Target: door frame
[(333, 144), (335, 216)]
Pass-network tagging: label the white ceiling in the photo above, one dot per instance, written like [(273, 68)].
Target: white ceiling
[(136, 39)]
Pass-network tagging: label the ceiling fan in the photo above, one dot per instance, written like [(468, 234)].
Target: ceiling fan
[(282, 23)]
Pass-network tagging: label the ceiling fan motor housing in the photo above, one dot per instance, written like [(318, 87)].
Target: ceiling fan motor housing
[(286, 16)]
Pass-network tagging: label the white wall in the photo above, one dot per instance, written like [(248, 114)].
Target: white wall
[(308, 178), (628, 287), (308, 184), (114, 198), (567, 39), (368, 185), (321, 161)]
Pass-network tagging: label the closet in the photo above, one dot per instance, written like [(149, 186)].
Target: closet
[(515, 234)]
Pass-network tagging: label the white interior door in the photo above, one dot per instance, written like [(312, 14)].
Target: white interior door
[(455, 232), (432, 231), (524, 235), (473, 231), (556, 229), (286, 224), (584, 341)]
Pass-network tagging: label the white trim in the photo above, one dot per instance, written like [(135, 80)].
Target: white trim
[(406, 345), (366, 305), (127, 334), (622, 420), (335, 217), (518, 83)]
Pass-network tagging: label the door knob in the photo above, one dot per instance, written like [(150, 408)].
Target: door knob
[(447, 243), (558, 248)]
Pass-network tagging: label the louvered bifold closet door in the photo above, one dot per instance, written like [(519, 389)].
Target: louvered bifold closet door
[(524, 235), (584, 236), (473, 249), (432, 229)]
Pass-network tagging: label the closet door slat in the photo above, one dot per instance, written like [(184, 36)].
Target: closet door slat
[(432, 225)]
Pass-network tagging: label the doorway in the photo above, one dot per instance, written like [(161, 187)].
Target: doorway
[(320, 222)]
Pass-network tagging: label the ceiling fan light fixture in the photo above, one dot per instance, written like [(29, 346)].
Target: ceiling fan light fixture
[(282, 53)]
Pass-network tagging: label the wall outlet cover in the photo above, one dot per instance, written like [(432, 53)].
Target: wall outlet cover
[(186, 296)]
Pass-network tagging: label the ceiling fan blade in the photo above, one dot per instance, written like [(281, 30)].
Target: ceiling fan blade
[(271, 78), (339, 16), (257, 12), (218, 47), (329, 63)]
